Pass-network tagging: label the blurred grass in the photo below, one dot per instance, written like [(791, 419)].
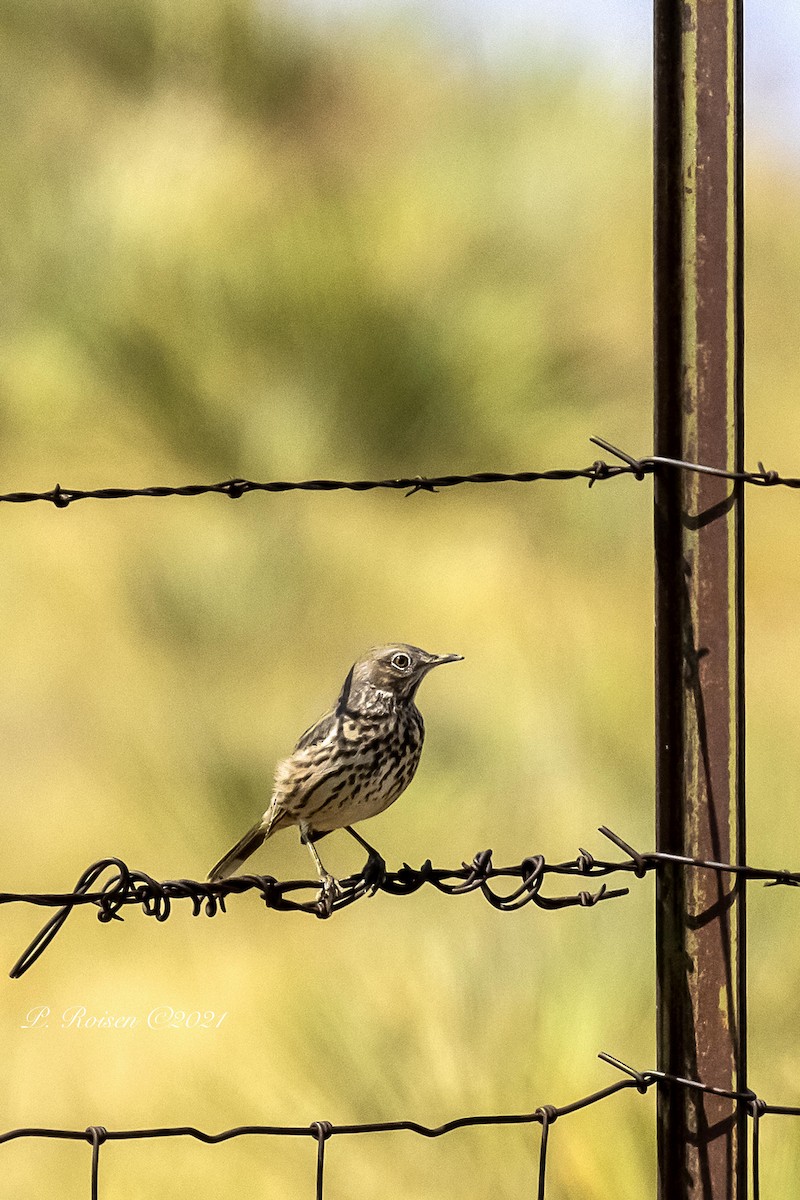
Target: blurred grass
[(232, 245)]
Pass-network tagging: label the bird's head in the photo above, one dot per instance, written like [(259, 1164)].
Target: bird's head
[(398, 669)]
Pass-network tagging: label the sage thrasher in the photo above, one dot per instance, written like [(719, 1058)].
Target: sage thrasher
[(352, 764)]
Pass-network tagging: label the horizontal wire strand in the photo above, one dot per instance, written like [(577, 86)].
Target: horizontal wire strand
[(596, 472), (323, 1131), (124, 887), (129, 887)]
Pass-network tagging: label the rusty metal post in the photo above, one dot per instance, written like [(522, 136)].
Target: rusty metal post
[(699, 591)]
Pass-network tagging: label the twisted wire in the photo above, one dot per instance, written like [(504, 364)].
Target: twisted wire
[(125, 887), (596, 472)]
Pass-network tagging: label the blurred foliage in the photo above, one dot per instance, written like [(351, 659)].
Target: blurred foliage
[(233, 243)]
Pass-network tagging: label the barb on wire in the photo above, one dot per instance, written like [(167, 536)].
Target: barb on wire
[(650, 463), (637, 468), (640, 864), (124, 887), (322, 1131)]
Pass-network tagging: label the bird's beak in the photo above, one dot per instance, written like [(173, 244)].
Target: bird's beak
[(438, 660)]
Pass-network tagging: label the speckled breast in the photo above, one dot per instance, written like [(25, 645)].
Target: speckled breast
[(372, 763)]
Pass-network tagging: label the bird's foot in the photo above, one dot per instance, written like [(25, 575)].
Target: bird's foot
[(374, 873), (328, 894)]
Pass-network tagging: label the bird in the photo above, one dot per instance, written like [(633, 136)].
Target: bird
[(351, 765)]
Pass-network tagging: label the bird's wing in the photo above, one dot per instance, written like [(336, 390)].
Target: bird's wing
[(317, 733)]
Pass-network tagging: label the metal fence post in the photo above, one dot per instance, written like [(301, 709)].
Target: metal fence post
[(699, 599)]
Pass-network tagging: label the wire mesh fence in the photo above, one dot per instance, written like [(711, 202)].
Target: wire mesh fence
[(321, 1132)]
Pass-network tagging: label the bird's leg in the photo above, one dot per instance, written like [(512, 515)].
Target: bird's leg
[(374, 871), (330, 889)]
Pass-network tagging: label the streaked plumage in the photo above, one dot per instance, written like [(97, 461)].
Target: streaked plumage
[(354, 762)]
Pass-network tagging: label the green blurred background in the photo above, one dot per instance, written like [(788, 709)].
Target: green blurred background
[(241, 240)]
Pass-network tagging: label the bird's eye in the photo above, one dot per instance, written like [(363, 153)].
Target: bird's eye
[(401, 662)]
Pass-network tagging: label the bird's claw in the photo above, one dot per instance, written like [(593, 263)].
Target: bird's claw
[(374, 873), (328, 894)]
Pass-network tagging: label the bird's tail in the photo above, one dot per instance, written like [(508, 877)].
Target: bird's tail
[(229, 864)]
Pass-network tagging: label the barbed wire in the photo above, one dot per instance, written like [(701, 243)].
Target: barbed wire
[(110, 885), (323, 1131), (596, 472), (641, 863), (124, 887)]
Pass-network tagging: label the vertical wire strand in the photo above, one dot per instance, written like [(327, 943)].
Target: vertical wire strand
[(756, 1111), (96, 1135), (321, 1130), (547, 1115), (320, 1169)]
